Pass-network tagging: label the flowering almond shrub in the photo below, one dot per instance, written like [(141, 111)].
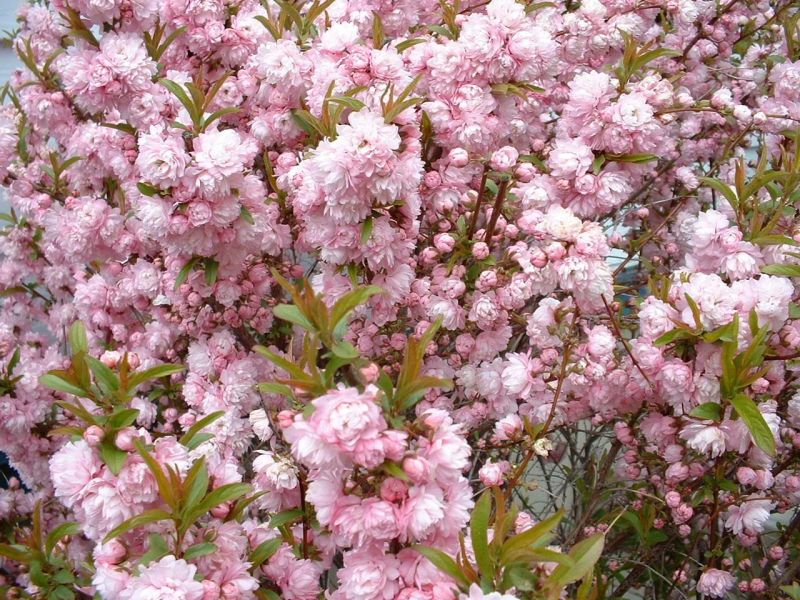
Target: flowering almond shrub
[(401, 300)]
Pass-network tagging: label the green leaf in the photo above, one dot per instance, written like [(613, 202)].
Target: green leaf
[(61, 385), (275, 388), (78, 411), (196, 483), (293, 369), (147, 190), (62, 592), (183, 274), (122, 417), (723, 189), (538, 535), (147, 517), (366, 230), (199, 425), (632, 158), (695, 311), (395, 470), (793, 591), (222, 112), (164, 484), (112, 456), (709, 410), (198, 550), (64, 577), (444, 563), (157, 549), (77, 338), (783, 270), (349, 301), (199, 439), (291, 313), (156, 372), (211, 270), (184, 98), (479, 530), (242, 504), (105, 377), (347, 101), (16, 553), (264, 552), (752, 417), (345, 350), (65, 529), (221, 495), (285, 516), (585, 554), (406, 44), (247, 216)]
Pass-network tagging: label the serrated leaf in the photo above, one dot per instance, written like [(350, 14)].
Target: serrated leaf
[(349, 301), (199, 425), (285, 516), (122, 417), (112, 456), (708, 411), (269, 387), (157, 549), (61, 385), (291, 313), (444, 563), (479, 531), (77, 338), (147, 517), (63, 530), (156, 372), (264, 551), (782, 270), (585, 554), (221, 495), (16, 552), (104, 377), (183, 274), (198, 550), (536, 536), (756, 424)]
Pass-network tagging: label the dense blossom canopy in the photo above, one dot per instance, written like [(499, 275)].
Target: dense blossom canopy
[(398, 299)]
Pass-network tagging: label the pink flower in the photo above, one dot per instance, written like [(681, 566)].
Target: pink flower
[(475, 593), (715, 583), (368, 574), (162, 158), (570, 158), (72, 468), (345, 417), (169, 578), (749, 517), (504, 158)]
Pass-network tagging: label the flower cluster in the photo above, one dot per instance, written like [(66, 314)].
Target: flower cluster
[(371, 300)]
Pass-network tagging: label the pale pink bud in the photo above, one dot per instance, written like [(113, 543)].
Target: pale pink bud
[(221, 511), (673, 499), (480, 250), (124, 439), (93, 435), (444, 242), (393, 490), (504, 158), (285, 419), (110, 358), (370, 373)]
